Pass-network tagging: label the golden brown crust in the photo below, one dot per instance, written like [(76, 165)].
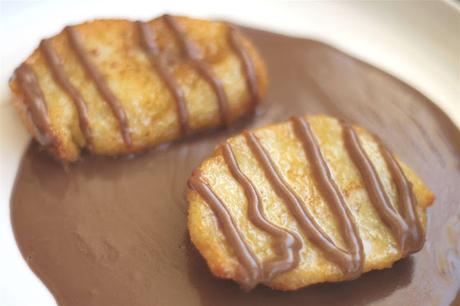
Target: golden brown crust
[(114, 48), (284, 148)]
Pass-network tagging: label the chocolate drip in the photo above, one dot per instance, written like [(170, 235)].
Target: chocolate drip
[(36, 104), (251, 78), (59, 75), (287, 243), (151, 48), (331, 192), (193, 54), (297, 208), (245, 256), (101, 83), (375, 188), (406, 200)]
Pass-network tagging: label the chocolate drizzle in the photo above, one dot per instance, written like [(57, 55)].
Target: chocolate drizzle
[(330, 191), (245, 256), (101, 84), (151, 48), (193, 54), (60, 77), (297, 208), (36, 104), (287, 243), (251, 79), (406, 200), (376, 191), (408, 231)]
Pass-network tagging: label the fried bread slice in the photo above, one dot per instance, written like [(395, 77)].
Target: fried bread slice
[(306, 201), (115, 87)]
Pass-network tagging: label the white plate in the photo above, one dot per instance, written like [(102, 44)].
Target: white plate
[(417, 41)]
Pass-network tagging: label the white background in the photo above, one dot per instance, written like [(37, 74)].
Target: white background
[(418, 41)]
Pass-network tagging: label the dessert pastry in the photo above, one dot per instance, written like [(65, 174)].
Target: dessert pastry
[(310, 200), (116, 87), (120, 226)]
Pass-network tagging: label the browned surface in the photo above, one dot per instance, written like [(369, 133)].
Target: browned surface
[(113, 232)]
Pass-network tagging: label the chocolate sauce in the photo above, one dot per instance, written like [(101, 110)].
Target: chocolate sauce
[(35, 104), (101, 83), (153, 52), (193, 54), (244, 254), (304, 218), (60, 76), (113, 232), (406, 201), (288, 243), (330, 191), (375, 189)]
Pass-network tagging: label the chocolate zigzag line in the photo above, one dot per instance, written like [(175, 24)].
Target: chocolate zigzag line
[(60, 77), (287, 243), (100, 83), (193, 54)]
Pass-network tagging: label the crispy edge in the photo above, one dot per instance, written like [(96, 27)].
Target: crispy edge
[(59, 149)]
